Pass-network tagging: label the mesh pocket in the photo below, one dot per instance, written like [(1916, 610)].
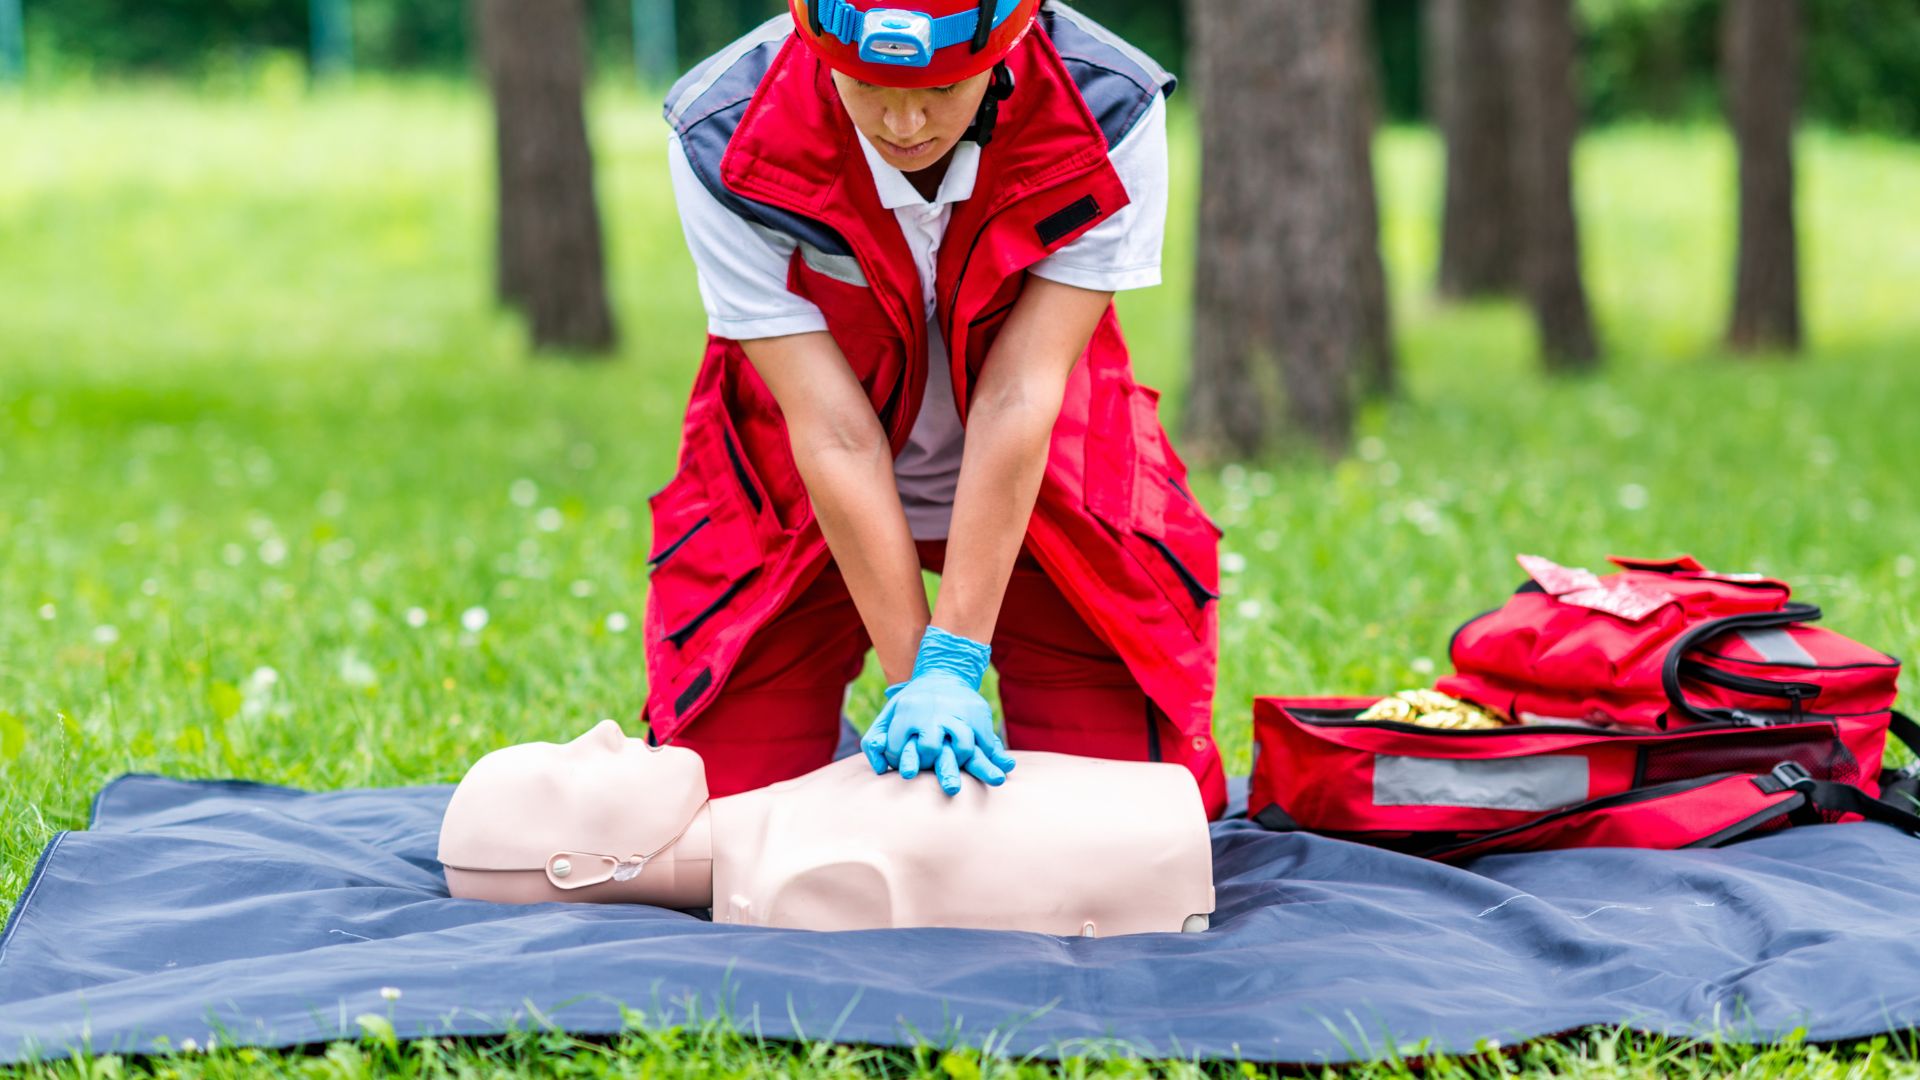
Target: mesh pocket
[(1825, 757)]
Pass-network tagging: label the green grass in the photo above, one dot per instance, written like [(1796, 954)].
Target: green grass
[(255, 409)]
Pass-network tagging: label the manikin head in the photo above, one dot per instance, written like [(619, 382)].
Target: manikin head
[(601, 818)]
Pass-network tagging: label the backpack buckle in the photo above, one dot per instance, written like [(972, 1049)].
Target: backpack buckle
[(1791, 775)]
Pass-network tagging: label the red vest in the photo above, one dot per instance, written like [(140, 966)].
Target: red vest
[(1114, 525)]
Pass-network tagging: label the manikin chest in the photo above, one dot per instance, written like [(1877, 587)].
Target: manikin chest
[(1123, 849)]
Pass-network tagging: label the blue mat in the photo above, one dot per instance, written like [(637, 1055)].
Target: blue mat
[(270, 916)]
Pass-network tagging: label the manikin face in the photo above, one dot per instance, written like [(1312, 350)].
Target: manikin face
[(912, 129), (601, 792)]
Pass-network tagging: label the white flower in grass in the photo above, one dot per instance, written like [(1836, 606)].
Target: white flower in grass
[(581, 588), (1372, 448), (391, 993), (273, 551), (233, 554), (106, 634), (1633, 497), (416, 617), (1904, 566), (150, 587), (1250, 609), (1422, 665), (356, 672), (523, 492), (548, 519), (617, 623), (1232, 562), (189, 1045), (474, 619), (48, 611)]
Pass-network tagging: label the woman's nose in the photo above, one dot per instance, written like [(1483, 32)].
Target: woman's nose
[(905, 123)]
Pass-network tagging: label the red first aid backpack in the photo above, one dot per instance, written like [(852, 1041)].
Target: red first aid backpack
[(1661, 706)]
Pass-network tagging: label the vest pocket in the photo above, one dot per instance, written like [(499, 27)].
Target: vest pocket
[(1136, 484), (705, 548)]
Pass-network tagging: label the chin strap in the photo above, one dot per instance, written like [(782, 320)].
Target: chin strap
[(998, 90), (578, 869)]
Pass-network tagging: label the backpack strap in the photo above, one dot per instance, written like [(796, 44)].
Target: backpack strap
[(1903, 728), (1837, 798), (1790, 612)]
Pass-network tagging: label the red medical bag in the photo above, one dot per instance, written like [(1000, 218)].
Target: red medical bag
[(1663, 706), (1661, 643)]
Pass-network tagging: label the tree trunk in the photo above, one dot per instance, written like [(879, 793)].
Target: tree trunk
[(1545, 120), (1760, 62), (550, 263), (1378, 368), (1468, 86), (1281, 220)]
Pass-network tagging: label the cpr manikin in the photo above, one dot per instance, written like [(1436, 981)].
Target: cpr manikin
[(1070, 845)]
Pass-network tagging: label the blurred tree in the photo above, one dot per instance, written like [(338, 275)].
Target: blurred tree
[(1470, 96), (654, 58), (331, 31), (1283, 233), (1760, 61), (1540, 65), (1378, 370), (13, 62), (550, 263)]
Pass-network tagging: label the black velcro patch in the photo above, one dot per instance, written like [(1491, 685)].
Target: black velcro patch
[(1061, 222), (693, 691)]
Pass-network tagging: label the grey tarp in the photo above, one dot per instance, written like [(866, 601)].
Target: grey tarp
[(271, 916)]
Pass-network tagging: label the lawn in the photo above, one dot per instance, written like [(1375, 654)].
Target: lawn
[(281, 497)]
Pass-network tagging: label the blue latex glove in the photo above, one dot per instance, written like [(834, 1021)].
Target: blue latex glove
[(938, 719)]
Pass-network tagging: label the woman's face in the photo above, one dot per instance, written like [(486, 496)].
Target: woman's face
[(912, 129)]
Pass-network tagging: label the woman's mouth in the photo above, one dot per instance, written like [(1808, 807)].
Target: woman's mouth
[(911, 151)]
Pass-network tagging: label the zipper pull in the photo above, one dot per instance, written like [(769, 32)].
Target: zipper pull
[(1796, 694)]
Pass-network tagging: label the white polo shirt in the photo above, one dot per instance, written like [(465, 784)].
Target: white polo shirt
[(742, 274)]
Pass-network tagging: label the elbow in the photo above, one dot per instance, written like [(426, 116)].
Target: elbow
[(841, 434), (1023, 402)]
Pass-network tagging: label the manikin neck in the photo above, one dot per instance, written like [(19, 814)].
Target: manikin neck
[(683, 870)]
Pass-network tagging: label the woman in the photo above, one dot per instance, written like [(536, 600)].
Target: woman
[(908, 219)]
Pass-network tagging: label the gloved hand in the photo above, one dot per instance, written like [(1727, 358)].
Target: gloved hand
[(937, 718)]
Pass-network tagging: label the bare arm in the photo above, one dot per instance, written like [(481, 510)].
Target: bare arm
[(843, 457), (1009, 427)]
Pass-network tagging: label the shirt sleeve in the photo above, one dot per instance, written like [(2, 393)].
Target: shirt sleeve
[(741, 269), (1123, 252)]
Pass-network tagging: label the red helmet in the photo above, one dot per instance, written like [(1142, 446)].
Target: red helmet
[(912, 43)]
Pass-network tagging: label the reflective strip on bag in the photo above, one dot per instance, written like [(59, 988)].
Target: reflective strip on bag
[(1776, 646), (1542, 782)]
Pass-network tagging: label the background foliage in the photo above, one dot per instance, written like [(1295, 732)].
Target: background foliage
[(1639, 58)]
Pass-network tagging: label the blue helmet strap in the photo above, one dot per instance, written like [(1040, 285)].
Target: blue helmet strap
[(984, 121)]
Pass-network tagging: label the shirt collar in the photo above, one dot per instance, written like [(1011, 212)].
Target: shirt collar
[(896, 191)]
